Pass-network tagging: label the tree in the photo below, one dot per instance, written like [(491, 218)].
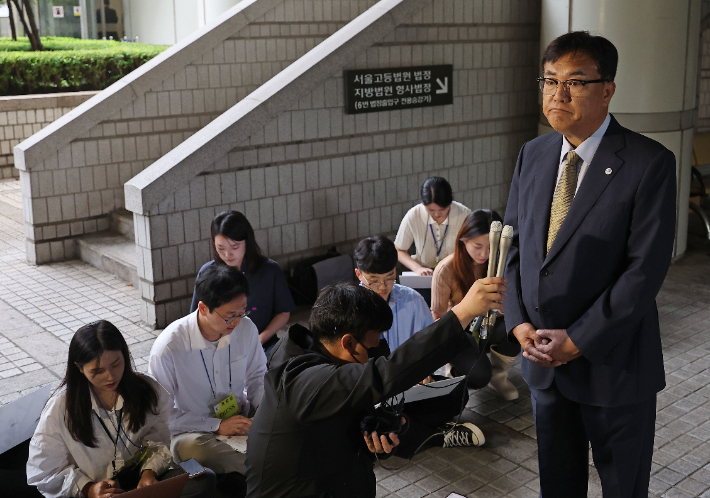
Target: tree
[(13, 30), (27, 18)]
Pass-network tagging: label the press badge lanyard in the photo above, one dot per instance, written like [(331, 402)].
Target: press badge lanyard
[(440, 245), (214, 396), (118, 429)]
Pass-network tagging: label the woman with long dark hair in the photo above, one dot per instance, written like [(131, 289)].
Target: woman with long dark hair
[(269, 303), (105, 429), (452, 279)]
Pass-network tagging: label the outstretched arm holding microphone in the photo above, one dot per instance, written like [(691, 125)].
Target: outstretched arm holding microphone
[(322, 382)]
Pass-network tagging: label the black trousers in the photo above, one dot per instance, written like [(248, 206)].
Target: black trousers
[(622, 445), (13, 475), (429, 416)]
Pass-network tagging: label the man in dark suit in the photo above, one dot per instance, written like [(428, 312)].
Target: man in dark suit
[(593, 209)]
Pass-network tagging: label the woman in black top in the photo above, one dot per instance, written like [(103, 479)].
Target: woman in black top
[(269, 303)]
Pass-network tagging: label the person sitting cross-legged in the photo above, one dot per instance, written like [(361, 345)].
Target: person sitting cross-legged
[(311, 436), (212, 364), (376, 260)]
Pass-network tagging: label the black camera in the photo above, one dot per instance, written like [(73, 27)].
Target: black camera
[(384, 422)]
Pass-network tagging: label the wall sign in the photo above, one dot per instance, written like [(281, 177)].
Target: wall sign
[(375, 90), (58, 12), (77, 11)]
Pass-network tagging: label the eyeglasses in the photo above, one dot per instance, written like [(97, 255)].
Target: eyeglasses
[(574, 88), (231, 319), (378, 285)]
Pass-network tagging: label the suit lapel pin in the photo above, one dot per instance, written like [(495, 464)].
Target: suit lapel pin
[(607, 171)]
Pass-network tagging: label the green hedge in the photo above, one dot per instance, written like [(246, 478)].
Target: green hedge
[(68, 64)]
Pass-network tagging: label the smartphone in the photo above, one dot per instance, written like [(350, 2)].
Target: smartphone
[(192, 467)]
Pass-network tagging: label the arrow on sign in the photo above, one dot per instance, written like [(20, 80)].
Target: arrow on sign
[(443, 87)]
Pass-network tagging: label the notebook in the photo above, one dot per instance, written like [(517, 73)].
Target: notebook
[(239, 443), (431, 390)]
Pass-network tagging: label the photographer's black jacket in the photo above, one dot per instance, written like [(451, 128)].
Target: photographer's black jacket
[(305, 440)]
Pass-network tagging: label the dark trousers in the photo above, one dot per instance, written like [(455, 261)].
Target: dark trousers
[(428, 417), (13, 475), (622, 445), (426, 294)]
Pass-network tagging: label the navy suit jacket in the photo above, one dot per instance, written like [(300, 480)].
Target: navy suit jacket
[(604, 270)]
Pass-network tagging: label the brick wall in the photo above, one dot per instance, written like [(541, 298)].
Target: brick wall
[(23, 116), (316, 177), (74, 190)]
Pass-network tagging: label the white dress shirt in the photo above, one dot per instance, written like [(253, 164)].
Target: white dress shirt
[(60, 466), (585, 151), (417, 226), (176, 360)]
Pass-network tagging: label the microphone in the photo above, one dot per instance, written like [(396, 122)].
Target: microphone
[(506, 239), (500, 238), (494, 238)]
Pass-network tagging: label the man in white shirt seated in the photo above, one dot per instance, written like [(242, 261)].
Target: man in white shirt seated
[(212, 364)]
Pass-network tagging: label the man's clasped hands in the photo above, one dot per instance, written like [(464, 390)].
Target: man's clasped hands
[(546, 347)]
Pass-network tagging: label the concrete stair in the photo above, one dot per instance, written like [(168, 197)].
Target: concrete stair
[(122, 223), (113, 251)]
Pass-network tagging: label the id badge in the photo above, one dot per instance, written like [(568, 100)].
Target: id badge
[(226, 408)]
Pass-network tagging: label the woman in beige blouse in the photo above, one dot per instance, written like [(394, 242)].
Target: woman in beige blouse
[(452, 278), (427, 225)]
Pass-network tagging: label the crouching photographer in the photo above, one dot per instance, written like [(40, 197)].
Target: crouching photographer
[(306, 438)]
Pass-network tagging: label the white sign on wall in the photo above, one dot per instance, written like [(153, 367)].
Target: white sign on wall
[(4, 11), (58, 12), (77, 11)]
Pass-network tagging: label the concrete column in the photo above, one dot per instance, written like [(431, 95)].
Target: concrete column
[(84, 19), (656, 81), (215, 8)]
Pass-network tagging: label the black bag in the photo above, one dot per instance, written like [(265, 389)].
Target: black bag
[(303, 282), (13, 472), (128, 477)]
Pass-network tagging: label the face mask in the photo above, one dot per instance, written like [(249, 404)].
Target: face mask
[(382, 349)]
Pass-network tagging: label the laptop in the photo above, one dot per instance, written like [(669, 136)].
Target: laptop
[(432, 390), (19, 419), (411, 279), (169, 488)]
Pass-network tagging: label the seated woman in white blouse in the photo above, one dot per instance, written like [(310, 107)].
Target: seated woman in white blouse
[(105, 428)]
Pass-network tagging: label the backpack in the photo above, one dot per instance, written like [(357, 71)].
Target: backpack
[(311, 275)]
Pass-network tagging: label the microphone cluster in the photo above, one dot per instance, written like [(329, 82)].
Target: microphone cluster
[(500, 240)]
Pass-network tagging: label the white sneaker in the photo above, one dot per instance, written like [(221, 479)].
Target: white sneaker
[(463, 435), (449, 371)]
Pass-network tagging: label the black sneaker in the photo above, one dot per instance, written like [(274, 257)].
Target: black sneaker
[(463, 435)]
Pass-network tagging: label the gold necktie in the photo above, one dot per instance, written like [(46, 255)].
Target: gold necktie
[(564, 194)]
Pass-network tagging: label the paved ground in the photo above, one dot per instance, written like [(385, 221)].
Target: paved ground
[(41, 307)]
